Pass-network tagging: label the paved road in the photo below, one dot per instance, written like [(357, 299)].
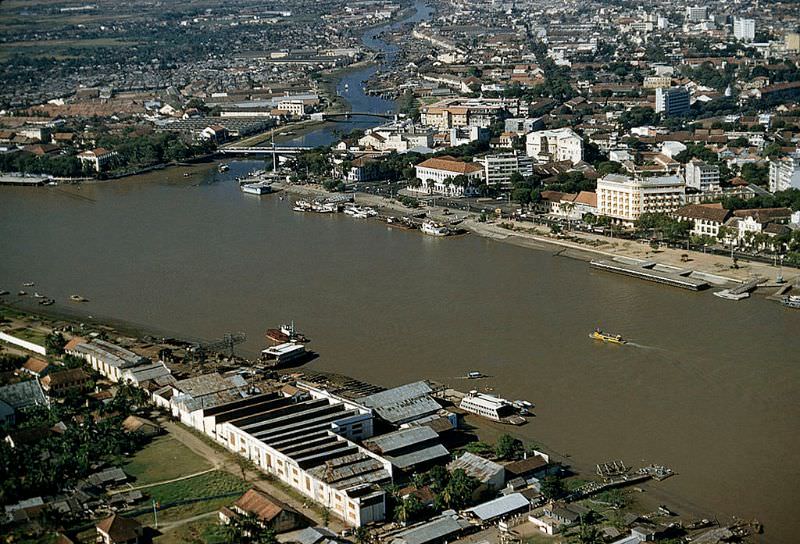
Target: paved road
[(223, 460)]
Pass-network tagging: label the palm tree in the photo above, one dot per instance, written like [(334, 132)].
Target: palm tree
[(362, 535)]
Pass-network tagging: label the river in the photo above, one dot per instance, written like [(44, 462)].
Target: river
[(351, 86), (710, 389)]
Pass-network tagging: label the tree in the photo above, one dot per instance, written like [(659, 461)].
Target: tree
[(552, 488), (408, 509), (362, 535), (508, 447), (54, 343), (479, 448)]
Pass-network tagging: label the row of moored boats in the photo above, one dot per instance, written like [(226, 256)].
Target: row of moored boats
[(363, 212)]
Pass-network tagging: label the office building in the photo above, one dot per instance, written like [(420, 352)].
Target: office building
[(672, 101), (696, 14), (702, 176), (744, 29), (498, 169), (784, 173)]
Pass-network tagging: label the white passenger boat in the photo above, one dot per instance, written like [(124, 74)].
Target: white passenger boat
[(434, 229), (301, 206), (260, 188)]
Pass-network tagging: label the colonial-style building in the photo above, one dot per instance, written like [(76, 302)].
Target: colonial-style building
[(437, 176), (562, 144)]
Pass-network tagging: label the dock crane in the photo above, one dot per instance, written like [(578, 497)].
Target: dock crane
[(226, 344)]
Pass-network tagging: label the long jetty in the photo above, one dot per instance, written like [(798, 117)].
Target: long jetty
[(647, 271)]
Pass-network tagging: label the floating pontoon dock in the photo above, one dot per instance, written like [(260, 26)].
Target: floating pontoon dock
[(647, 271)]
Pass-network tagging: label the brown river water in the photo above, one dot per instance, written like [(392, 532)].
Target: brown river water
[(709, 388)]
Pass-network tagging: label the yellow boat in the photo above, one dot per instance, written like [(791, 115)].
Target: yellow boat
[(597, 334)]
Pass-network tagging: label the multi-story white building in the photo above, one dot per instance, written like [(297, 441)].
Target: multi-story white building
[(437, 176), (498, 169), (784, 173), (462, 112), (625, 199), (98, 158), (696, 14), (654, 82), (672, 101), (561, 144), (702, 176), (706, 219), (744, 29)]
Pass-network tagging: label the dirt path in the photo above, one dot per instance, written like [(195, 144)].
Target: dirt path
[(223, 460), (145, 486), (164, 527)]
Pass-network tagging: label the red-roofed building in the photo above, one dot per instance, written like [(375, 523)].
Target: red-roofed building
[(267, 510), (118, 530), (98, 158), (442, 175)]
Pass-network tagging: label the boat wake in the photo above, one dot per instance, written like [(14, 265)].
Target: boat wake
[(642, 346)]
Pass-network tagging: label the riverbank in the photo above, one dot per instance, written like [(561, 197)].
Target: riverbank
[(584, 246)]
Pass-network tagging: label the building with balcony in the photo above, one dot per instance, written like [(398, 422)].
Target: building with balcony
[(625, 198)]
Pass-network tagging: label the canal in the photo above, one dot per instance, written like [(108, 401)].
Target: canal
[(710, 387), (351, 86)]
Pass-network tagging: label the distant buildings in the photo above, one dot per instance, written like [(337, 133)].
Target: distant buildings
[(625, 199), (696, 14), (672, 101), (562, 144), (744, 29), (784, 173), (462, 112)]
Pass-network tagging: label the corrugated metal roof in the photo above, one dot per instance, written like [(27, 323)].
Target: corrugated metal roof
[(477, 466), (403, 438), (23, 394), (425, 455), (437, 529), (404, 403), (500, 507)]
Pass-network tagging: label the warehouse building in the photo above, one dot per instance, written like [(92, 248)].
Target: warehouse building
[(308, 443)]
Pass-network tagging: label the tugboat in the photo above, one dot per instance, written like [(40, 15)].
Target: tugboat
[(286, 333), (597, 334), (792, 301)]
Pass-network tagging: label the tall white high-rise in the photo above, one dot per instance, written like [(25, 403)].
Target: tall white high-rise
[(744, 29)]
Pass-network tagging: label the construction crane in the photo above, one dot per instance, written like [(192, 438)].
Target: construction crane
[(225, 344)]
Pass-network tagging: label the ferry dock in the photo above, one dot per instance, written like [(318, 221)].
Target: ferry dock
[(647, 271)]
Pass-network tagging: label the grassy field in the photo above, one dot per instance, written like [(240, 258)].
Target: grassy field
[(164, 459), (31, 335), (206, 485), (204, 531)]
